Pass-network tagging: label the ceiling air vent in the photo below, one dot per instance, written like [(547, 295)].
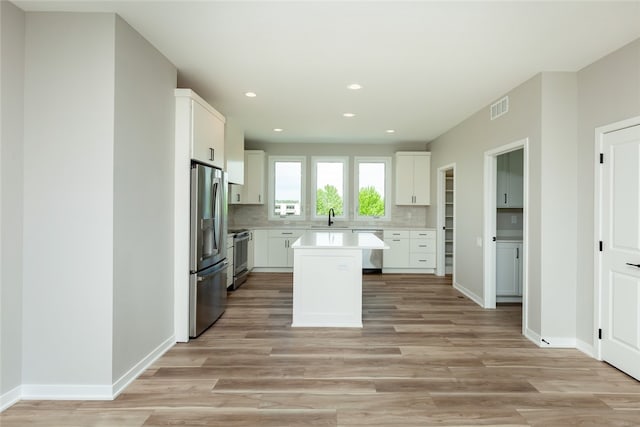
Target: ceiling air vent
[(499, 108)]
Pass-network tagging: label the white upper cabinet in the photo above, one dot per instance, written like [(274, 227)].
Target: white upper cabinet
[(510, 182), (234, 153), (413, 172), (252, 192), (201, 127)]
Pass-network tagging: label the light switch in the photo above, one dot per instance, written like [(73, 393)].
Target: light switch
[(479, 241)]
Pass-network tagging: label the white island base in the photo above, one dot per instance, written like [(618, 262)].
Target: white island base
[(327, 278)]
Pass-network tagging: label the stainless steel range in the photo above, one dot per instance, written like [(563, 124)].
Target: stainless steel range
[(240, 254)]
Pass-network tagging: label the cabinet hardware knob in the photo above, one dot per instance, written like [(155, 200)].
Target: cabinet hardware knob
[(633, 265), (211, 154), (505, 198)]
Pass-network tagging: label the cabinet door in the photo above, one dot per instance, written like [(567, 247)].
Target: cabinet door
[(502, 187), (278, 252), (507, 269), (207, 136), (251, 247), (422, 180), (260, 248), (235, 194), (516, 170), (404, 180), (254, 178), (397, 256)]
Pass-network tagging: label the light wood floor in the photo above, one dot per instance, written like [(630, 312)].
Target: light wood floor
[(426, 356)]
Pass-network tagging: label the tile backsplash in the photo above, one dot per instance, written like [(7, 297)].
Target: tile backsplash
[(247, 216)]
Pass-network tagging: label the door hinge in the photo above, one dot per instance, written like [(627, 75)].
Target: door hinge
[(599, 334), (601, 245), (601, 157)]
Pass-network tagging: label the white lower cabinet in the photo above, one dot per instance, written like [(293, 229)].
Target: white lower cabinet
[(509, 269), (260, 249), (230, 259), (410, 251), (272, 248), (279, 249), (251, 250)]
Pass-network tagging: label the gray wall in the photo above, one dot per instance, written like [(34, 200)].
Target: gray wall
[(401, 216), (465, 145), (12, 29), (68, 199), (143, 201), (608, 91), (98, 210)]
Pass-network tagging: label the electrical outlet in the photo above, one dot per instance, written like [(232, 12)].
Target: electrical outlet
[(514, 219), (479, 241)]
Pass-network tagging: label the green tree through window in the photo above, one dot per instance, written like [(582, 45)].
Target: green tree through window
[(370, 202), (327, 198)]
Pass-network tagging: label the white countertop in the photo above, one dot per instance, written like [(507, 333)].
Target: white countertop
[(338, 240)]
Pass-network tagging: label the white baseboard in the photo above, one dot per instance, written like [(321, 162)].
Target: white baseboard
[(272, 270), (466, 292), (409, 270), (141, 366), (557, 342), (94, 392), (532, 336), (9, 398), (66, 392), (586, 348)]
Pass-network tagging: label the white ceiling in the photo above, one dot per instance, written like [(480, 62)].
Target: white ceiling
[(424, 66)]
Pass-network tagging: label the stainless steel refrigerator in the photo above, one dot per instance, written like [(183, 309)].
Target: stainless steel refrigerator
[(208, 247)]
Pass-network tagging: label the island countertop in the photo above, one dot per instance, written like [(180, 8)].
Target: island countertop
[(338, 240)]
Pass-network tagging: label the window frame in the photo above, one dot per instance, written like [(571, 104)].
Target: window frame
[(345, 184), (387, 186), (272, 190)]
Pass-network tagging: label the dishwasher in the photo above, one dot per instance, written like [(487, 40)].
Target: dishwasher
[(371, 258)]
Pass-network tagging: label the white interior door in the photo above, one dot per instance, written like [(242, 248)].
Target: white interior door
[(621, 256)]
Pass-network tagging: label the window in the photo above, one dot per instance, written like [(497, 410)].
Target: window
[(286, 184), (329, 186), (372, 196)]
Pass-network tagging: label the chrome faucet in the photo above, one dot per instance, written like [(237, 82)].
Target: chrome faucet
[(331, 211)]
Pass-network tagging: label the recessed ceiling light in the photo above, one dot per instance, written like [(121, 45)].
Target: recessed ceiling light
[(354, 86), (390, 131), (250, 94), (348, 115), (277, 129)]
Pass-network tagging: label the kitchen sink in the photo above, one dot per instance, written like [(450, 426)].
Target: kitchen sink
[(326, 227)]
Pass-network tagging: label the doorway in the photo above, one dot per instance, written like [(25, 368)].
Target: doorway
[(490, 233), (446, 222), (617, 258)]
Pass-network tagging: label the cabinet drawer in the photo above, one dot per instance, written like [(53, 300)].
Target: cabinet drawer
[(423, 245), (419, 260), (286, 233), (396, 234), (423, 234)]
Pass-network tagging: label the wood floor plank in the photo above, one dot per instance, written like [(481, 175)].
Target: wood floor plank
[(425, 356)]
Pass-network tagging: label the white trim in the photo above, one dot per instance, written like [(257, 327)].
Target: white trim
[(489, 247), (66, 392), (10, 398), (534, 337), (303, 187), (585, 347), (93, 391), (388, 191), (408, 270), (141, 366), (597, 224), (441, 221), (345, 184), (558, 342), (466, 292), (272, 270)]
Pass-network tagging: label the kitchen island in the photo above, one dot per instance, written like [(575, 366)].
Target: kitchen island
[(327, 278)]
